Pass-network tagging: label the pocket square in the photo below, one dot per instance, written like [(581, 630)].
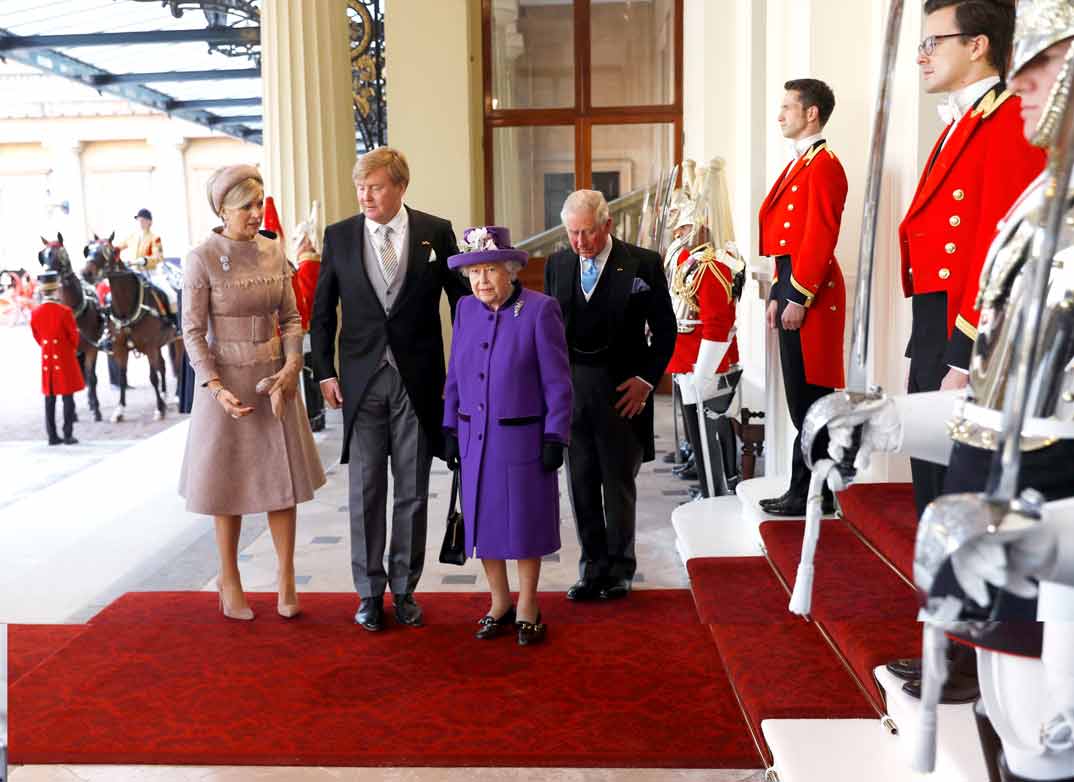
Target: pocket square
[(432, 255), (639, 285)]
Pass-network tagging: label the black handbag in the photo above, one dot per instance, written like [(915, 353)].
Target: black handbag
[(453, 549)]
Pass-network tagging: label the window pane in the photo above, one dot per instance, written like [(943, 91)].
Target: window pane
[(532, 54), (533, 171), (633, 52), (629, 157)]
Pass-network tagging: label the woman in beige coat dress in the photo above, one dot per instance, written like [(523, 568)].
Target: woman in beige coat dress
[(240, 326)]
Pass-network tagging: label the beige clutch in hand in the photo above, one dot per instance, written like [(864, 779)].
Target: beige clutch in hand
[(275, 397)]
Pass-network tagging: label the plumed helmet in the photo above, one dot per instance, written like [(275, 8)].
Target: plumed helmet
[(1038, 25)]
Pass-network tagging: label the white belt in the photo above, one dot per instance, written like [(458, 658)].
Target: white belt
[(1045, 428)]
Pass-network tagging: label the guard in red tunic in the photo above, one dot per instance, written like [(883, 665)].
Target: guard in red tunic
[(53, 326), (799, 228), (977, 168), (704, 288)]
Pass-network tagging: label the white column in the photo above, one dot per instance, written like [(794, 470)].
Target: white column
[(433, 53), (309, 142), (170, 216), (65, 183)]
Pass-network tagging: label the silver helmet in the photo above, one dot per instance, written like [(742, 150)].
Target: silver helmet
[(1040, 24)]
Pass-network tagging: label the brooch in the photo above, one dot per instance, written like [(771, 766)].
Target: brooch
[(518, 307), (225, 263)]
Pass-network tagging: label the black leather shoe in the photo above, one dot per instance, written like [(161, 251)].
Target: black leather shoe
[(689, 474), (371, 613), (70, 440), (55, 441), (530, 633), (905, 668), (585, 589), (957, 689), (492, 627), (616, 590), (791, 506), (407, 611)]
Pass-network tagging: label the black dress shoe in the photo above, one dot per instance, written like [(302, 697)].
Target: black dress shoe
[(905, 668), (585, 589), (70, 440), (530, 633), (371, 613), (55, 441), (616, 590), (689, 474), (407, 611), (791, 506), (957, 689), (492, 627), (774, 500)]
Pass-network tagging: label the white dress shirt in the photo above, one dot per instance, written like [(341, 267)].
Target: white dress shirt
[(803, 145)]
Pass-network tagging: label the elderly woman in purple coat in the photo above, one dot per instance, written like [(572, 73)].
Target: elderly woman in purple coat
[(507, 411)]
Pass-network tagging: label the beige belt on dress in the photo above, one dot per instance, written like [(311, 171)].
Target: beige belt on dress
[(245, 339)]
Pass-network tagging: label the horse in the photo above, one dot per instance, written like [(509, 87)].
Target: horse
[(89, 315), (137, 317)]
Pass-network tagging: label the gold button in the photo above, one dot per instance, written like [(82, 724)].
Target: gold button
[(786, 225), (955, 220), (831, 283), (782, 242), (790, 207), (833, 308), (958, 195), (794, 188), (945, 273), (949, 248), (1068, 397)]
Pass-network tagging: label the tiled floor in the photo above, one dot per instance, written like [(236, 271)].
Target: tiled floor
[(322, 560)]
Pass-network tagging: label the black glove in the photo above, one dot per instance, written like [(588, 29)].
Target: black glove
[(451, 450), (552, 456)]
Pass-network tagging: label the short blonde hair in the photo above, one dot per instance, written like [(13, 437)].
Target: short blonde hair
[(586, 201), (382, 157), (239, 195)]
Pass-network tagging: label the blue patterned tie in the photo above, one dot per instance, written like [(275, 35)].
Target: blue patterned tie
[(589, 275)]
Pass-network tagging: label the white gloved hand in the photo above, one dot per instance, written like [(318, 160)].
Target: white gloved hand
[(709, 356), (685, 382), (1010, 560), (881, 431)]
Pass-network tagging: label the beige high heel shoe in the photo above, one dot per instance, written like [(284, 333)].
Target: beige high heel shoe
[(244, 614), (287, 610)]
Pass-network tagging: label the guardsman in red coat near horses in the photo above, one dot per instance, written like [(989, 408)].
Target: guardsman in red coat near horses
[(53, 326), (799, 228)]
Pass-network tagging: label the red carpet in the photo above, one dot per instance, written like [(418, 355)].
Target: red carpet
[(163, 679), (29, 645), (737, 590), (884, 513), (851, 583)]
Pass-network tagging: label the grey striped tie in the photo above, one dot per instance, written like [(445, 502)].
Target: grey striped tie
[(389, 261)]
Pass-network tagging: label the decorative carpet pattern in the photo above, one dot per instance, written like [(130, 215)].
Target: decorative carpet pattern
[(29, 645), (884, 513), (628, 684), (850, 582), (737, 590)]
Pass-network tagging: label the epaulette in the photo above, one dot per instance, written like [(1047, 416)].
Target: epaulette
[(991, 102)]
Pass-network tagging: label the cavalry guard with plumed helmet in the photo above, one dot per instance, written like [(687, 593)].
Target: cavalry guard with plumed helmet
[(53, 326)]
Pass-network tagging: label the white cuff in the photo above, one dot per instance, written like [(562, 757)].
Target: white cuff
[(924, 420), (646, 382), (709, 356)]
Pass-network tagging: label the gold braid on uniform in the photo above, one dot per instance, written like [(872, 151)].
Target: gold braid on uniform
[(688, 275)]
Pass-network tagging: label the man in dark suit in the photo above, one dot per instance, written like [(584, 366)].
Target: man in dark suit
[(386, 267), (609, 291)]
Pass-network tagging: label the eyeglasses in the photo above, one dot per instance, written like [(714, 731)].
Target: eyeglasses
[(928, 46)]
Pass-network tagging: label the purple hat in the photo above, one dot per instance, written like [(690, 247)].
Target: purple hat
[(486, 244)]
